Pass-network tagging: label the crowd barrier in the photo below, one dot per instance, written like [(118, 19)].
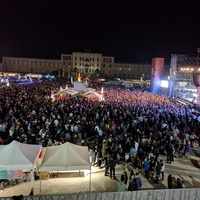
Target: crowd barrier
[(172, 194)]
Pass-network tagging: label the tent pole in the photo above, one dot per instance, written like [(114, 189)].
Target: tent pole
[(32, 174), (90, 179), (41, 181)]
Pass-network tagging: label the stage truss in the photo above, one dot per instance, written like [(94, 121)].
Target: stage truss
[(181, 77)]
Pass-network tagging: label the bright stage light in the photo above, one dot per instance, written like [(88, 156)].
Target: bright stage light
[(164, 83)]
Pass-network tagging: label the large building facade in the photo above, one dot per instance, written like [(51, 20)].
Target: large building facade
[(29, 65), (85, 63)]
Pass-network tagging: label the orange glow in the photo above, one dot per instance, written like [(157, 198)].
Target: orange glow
[(79, 78)]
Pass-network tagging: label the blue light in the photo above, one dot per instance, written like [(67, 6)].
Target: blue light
[(49, 76), (25, 83)]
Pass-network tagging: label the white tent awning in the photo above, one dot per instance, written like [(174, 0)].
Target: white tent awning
[(18, 156), (66, 157)]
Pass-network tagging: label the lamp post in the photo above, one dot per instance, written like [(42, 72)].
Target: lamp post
[(69, 72), (63, 72)]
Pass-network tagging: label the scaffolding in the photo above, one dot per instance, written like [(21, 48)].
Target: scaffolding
[(181, 76)]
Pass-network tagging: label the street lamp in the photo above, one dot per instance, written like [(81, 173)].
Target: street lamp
[(69, 71)]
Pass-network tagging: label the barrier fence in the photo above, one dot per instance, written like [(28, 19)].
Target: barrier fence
[(172, 194)]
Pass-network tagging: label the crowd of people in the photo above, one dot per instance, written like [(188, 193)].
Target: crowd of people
[(129, 126), (174, 183)]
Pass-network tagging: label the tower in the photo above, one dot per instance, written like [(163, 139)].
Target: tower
[(156, 74)]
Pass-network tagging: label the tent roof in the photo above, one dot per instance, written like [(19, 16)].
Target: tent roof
[(90, 89), (66, 157), (2, 146), (66, 91), (91, 94), (18, 156)]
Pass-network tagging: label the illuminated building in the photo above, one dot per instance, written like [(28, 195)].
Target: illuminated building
[(85, 63)]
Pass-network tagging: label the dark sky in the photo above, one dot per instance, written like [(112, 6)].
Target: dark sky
[(129, 30)]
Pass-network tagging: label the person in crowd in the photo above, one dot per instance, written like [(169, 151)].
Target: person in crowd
[(135, 162), (179, 183), (133, 151), (119, 152), (106, 163), (138, 181), (20, 197), (104, 146), (162, 169), (132, 173), (124, 177), (150, 155), (187, 149), (169, 181), (112, 164), (123, 182), (68, 137), (121, 185), (99, 158), (152, 169), (94, 157), (127, 157), (158, 171), (198, 150), (174, 183), (169, 150), (31, 192), (146, 168), (132, 185), (181, 149)]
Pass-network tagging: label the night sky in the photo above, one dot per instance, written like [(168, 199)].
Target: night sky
[(129, 30)]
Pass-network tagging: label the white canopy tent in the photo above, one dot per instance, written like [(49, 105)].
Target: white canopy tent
[(68, 91), (92, 94), (66, 157), (19, 156), (2, 146)]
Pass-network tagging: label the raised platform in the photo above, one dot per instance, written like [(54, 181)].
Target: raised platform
[(79, 86)]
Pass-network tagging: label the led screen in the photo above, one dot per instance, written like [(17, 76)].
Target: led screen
[(164, 84)]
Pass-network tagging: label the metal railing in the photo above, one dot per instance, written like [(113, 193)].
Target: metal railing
[(172, 194)]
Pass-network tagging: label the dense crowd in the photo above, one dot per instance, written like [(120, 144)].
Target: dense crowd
[(130, 126)]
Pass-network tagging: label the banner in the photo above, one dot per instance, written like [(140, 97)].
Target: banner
[(16, 174), (3, 175)]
